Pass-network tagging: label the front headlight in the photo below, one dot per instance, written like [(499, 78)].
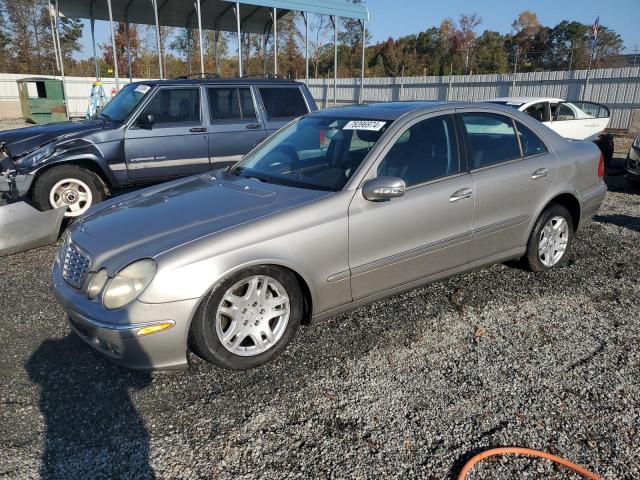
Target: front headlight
[(636, 142), (129, 283)]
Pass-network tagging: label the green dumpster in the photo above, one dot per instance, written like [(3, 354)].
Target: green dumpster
[(42, 100)]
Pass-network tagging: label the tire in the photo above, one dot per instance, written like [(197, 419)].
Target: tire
[(211, 337), (67, 184), (538, 260)]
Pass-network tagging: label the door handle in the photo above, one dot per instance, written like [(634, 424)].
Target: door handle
[(461, 195), (253, 126), (198, 129), (540, 173)]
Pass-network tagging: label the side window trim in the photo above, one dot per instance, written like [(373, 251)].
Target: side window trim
[(539, 137)]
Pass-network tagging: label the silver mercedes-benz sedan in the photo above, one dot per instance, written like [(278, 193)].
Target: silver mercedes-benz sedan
[(338, 209)]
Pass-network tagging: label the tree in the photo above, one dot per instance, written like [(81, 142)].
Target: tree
[(120, 38), (526, 30), (465, 36), (490, 54), (350, 35)]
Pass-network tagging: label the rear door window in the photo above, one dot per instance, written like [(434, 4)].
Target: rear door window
[(229, 105), (492, 137), (283, 102), (539, 111)]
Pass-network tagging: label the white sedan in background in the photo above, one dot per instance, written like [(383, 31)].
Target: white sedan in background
[(575, 120)]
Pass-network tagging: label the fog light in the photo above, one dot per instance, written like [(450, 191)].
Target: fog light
[(158, 327)]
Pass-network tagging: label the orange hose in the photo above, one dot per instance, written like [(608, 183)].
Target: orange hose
[(527, 452)]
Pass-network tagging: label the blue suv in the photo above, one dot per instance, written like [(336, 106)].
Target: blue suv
[(149, 132)]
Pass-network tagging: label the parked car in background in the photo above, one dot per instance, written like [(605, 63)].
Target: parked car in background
[(340, 208), (633, 161), (573, 120), (149, 132)]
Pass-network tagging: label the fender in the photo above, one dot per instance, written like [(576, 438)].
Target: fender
[(89, 153)]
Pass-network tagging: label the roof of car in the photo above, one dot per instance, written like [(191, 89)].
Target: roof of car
[(525, 99), (394, 110), (198, 81)]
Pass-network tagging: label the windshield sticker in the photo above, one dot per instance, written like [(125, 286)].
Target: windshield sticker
[(142, 89), (371, 125)]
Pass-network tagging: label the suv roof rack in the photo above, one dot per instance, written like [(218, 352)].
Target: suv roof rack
[(205, 75)]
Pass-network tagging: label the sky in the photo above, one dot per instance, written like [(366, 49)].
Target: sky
[(397, 18)]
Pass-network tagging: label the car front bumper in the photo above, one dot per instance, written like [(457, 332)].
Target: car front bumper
[(113, 332), (633, 162), (13, 184)]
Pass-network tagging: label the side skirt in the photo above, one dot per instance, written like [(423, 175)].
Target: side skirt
[(485, 262)]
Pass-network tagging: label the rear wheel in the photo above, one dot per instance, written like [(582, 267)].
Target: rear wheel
[(550, 241), (248, 318), (67, 185)]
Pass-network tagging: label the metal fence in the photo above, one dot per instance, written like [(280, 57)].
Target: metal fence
[(617, 88)]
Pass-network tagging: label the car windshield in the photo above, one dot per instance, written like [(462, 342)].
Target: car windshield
[(121, 106), (318, 151)]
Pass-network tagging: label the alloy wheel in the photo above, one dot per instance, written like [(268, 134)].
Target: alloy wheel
[(72, 193), (554, 239)]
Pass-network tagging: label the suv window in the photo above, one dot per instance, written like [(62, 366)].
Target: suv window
[(493, 139), (425, 151), (227, 104), (283, 102), (531, 143), (175, 105)]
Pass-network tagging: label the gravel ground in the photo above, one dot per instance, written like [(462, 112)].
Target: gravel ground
[(409, 387)]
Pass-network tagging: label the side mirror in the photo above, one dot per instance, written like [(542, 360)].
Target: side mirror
[(383, 188), (146, 121)]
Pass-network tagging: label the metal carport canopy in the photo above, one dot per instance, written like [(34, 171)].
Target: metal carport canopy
[(216, 14), (248, 16)]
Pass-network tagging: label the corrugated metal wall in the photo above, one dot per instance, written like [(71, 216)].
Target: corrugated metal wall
[(618, 88)]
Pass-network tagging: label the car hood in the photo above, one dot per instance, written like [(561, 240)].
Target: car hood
[(23, 140), (151, 221)]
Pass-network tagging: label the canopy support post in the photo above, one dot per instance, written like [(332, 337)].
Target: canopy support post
[(216, 51), (364, 46), (53, 38), (113, 46), (93, 40), (239, 31), (189, 50), (155, 12), (334, 20), (57, 39), (126, 31), (305, 15), (200, 38), (275, 41)]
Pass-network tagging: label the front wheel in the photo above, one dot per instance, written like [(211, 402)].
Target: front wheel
[(248, 318), (550, 241), (68, 186)]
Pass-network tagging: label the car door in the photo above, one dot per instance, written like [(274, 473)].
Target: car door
[(580, 120), (512, 168), (281, 103), (428, 229), (174, 143), (236, 127)]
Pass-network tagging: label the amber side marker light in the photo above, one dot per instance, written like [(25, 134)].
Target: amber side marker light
[(158, 327)]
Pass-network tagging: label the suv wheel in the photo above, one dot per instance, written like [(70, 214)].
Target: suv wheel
[(248, 318), (550, 241), (67, 185)]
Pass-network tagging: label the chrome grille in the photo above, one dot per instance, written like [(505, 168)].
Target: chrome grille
[(75, 264)]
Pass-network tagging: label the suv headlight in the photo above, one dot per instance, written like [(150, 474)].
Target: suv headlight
[(128, 283), (636, 142)]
